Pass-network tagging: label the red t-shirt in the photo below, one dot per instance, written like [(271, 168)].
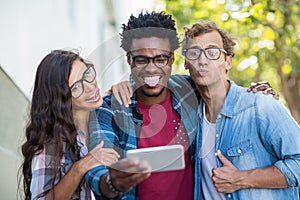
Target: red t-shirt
[(162, 126)]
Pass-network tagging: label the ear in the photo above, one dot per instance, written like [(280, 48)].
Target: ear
[(228, 63), (186, 64), (172, 58), (128, 59)]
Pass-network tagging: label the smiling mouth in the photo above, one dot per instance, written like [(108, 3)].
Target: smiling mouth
[(95, 97), (151, 81)]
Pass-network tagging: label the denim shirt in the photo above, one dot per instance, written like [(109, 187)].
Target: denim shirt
[(121, 126), (255, 131)]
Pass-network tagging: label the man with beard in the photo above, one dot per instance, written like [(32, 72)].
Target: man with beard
[(161, 113)]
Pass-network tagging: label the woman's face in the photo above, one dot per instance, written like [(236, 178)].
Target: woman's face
[(84, 88)]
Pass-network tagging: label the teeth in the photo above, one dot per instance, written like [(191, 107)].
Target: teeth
[(152, 80), (95, 95)]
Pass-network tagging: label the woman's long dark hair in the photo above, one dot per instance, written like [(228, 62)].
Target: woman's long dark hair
[(51, 120)]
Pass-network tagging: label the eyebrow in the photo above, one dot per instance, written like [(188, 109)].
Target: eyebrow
[(209, 46)]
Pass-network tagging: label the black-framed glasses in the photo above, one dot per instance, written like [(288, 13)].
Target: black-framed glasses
[(88, 75), (211, 53), (159, 61)]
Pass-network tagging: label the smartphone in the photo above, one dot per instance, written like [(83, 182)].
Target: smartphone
[(162, 158)]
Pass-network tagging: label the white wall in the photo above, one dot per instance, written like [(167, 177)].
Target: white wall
[(31, 29)]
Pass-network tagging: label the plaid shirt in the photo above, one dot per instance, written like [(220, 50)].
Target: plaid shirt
[(43, 172), (121, 126)]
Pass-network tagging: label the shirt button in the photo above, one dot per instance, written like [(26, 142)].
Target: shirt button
[(239, 151), (217, 135), (229, 195), (219, 116)]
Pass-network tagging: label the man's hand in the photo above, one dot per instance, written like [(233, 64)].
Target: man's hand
[(122, 92), (228, 178), (263, 86), (128, 172)]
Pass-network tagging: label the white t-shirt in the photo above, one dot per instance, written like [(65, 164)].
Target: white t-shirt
[(208, 160)]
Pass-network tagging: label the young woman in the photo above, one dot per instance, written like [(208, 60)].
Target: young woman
[(55, 152)]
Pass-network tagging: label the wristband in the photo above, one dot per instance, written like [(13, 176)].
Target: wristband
[(111, 186)]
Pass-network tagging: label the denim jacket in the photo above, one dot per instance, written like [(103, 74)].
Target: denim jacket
[(255, 131)]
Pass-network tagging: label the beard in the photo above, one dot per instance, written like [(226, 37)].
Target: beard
[(145, 93)]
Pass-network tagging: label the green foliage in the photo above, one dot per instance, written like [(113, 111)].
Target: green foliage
[(269, 30)]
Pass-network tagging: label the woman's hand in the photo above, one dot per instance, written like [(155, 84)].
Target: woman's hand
[(99, 156), (105, 156)]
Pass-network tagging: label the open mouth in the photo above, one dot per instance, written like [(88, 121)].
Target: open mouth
[(151, 81)]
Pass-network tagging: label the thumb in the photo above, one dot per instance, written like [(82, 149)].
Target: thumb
[(98, 147), (223, 159), (96, 152), (101, 144)]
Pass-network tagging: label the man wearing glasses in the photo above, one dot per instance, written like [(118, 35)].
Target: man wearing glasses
[(162, 113), (256, 140)]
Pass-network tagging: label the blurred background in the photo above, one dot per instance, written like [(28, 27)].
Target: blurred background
[(267, 34)]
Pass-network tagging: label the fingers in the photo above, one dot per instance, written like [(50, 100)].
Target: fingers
[(109, 156), (128, 172), (276, 96), (105, 156), (131, 165), (259, 86), (126, 183), (123, 92), (115, 92), (108, 160), (126, 93), (130, 89), (263, 86)]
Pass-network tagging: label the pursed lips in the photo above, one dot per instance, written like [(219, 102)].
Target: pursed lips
[(202, 72)]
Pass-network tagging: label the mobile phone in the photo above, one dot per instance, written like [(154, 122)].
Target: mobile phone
[(162, 158)]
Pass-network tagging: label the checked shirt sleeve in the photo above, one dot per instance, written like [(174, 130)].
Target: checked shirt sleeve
[(100, 129)]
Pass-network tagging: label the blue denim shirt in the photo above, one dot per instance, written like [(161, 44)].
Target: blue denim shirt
[(255, 131), (121, 126)]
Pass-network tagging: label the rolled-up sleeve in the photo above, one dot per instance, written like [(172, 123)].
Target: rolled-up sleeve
[(281, 136)]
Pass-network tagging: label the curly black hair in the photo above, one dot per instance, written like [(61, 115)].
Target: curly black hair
[(154, 24)]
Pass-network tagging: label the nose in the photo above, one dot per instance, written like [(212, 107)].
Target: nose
[(202, 58), (151, 66), (202, 55)]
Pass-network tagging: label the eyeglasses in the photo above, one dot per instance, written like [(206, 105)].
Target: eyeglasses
[(159, 61), (210, 53), (88, 75)]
